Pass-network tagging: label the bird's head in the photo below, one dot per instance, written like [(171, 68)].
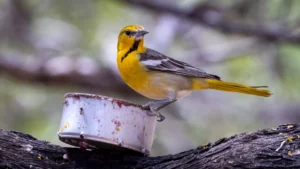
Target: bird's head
[(130, 35)]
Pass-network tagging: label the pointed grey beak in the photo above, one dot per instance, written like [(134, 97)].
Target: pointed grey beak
[(140, 34), (143, 32)]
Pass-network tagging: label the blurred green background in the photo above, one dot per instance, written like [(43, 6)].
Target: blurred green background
[(51, 47)]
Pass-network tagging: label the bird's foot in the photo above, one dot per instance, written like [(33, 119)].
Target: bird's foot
[(160, 117), (154, 112), (149, 104)]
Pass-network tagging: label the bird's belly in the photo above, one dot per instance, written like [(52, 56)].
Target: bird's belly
[(165, 85), (156, 85)]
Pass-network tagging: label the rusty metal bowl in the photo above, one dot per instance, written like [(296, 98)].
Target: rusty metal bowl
[(93, 121)]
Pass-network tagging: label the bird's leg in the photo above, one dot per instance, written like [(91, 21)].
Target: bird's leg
[(154, 111), (161, 117), (165, 104), (153, 102)]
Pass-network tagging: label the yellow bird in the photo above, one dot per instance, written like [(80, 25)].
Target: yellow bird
[(162, 78)]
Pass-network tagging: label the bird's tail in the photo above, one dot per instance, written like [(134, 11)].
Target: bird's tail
[(199, 84)]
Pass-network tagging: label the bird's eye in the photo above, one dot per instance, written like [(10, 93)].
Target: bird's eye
[(127, 33)]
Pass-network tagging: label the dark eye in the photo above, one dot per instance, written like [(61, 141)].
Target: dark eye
[(128, 33)]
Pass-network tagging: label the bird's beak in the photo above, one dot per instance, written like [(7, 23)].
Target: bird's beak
[(140, 34)]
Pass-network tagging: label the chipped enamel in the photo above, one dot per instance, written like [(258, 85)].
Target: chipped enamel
[(92, 121)]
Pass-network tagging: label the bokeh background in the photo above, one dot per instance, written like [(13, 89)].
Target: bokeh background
[(51, 47)]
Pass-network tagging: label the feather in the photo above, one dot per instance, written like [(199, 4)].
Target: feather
[(156, 61)]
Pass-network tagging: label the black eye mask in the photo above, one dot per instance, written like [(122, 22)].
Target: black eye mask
[(130, 33)]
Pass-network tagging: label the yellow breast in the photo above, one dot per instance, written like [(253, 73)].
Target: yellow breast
[(131, 71), (138, 77), (152, 84)]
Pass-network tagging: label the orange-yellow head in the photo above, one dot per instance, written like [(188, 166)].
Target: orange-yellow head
[(130, 35)]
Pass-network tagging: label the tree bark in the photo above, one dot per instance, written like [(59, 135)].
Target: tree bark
[(212, 17), (267, 148)]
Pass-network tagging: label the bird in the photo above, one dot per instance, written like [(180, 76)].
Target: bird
[(164, 79)]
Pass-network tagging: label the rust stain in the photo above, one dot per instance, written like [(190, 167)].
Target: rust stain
[(76, 97), (82, 145), (81, 111), (66, 125), (119, 102), (66, 103), (141, 137), (118, 125)]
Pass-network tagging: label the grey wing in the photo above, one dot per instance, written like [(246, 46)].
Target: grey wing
[(156, 61)]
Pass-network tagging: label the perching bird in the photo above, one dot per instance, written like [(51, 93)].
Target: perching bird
[(162, 78)]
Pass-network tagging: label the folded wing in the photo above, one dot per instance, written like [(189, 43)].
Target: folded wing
[(156, 61)]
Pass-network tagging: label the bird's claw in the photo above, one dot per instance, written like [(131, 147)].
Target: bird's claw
[(160, 117), (153, 112)]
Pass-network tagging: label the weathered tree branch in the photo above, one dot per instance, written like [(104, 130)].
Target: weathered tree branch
[(267, 148), (212, 17), (63, 71)]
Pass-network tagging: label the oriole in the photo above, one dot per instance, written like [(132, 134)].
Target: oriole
[(162, 78)]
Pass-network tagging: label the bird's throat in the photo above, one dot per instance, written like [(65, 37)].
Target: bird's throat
[(137, 46)]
